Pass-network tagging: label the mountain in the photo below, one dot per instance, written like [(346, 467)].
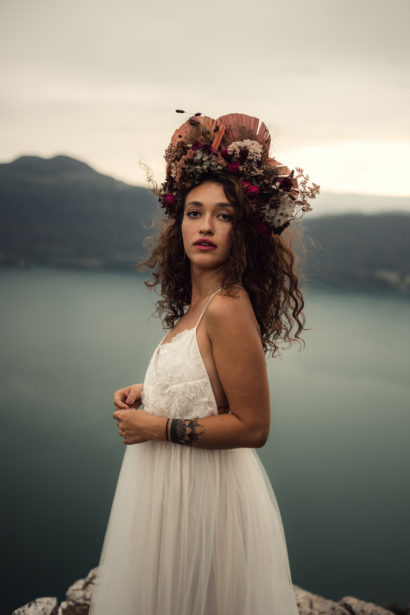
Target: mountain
[(357, 251), (59, 211)]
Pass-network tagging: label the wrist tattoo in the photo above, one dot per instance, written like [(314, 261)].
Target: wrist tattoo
[(184, 431)]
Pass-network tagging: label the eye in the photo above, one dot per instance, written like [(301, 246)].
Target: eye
[(226, 217), (194, 212)]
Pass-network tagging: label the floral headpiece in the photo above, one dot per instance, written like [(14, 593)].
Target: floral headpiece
[(234, 145)]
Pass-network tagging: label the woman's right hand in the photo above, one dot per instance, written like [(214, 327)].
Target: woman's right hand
[(128, 397)]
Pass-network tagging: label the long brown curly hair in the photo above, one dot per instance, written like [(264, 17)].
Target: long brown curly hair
[(264, 266)]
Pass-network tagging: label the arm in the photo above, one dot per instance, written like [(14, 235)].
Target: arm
[(241, 367), (218, 432), (240, 363)]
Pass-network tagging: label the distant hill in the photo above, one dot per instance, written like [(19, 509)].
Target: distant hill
[(358, 251), (61, 212)]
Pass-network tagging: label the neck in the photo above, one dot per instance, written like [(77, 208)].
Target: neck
[(204, 283)]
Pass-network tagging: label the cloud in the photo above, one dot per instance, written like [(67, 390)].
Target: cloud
[(100, 81)]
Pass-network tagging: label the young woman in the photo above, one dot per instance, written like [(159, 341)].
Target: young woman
[(195, 527)]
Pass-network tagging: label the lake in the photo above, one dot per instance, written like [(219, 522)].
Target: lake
[(338, 454)]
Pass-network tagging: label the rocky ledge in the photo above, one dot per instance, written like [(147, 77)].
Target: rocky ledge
[(78, 599)]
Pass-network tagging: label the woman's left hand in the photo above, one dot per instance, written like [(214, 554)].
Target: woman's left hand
[(134, 426)]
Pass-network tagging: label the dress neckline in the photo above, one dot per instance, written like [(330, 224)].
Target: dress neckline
[(162, 343), (172, 340), (178, 337)]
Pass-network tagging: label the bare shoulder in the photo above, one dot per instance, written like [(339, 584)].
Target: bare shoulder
[(234, 313)]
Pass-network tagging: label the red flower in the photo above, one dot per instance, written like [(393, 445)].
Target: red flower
[(233, 167), (286, 183), (263, 229), (169, 200), (251, 189)]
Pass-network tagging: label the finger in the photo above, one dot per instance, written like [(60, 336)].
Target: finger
[(132, 396), (119, 399), (118, 395), (121, 406)]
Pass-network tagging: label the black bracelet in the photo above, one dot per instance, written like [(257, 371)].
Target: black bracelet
[(166, 430), (173, 431)]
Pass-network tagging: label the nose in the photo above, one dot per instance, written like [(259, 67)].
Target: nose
[(206, 225)]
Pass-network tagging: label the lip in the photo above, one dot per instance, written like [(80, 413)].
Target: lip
[(208, 245)]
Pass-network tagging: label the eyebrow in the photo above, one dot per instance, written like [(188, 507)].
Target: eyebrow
[(224, 204)]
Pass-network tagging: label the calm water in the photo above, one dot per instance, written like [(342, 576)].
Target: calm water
[(338, 454)]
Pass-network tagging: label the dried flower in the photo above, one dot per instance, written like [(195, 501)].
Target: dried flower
[(225, 153), (281, 195), (254, 150)]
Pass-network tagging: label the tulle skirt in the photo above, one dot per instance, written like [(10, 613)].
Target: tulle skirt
[(193, 532)]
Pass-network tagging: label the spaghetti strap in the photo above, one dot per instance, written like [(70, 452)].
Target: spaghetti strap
[(206, 305)]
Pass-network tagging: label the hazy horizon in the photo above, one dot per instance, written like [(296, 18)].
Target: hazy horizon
[(327, 203)]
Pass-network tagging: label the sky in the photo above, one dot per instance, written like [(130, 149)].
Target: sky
[(99, 80)]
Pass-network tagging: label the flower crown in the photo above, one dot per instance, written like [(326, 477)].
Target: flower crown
[(234, 145)]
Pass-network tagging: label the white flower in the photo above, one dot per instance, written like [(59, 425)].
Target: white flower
[(254, 148), (277, 216)]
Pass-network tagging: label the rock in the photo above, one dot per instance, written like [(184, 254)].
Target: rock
[(358, 607), (312, 604), (78, 598), (73, 608), (40, 606), (81, 590)]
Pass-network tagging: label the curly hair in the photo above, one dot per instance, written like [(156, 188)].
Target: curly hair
[(264, 266)]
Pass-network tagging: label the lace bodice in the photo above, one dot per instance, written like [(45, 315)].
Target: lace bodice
[(177, 384)]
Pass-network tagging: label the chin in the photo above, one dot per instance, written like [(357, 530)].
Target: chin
[(208, 263)]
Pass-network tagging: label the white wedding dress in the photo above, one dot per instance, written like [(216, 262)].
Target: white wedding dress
[(192, 531)]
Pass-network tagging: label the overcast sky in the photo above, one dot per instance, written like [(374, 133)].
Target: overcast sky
[(100, 81)]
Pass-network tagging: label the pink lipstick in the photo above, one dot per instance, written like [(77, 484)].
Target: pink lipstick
[(204, 244)]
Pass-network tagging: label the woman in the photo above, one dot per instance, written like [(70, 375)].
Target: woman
[(195, 528)]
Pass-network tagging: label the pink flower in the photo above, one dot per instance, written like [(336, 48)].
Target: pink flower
[(251, 189), (233, 167), (169, 200)]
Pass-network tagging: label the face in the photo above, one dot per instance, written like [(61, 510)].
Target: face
[(207, 225)]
